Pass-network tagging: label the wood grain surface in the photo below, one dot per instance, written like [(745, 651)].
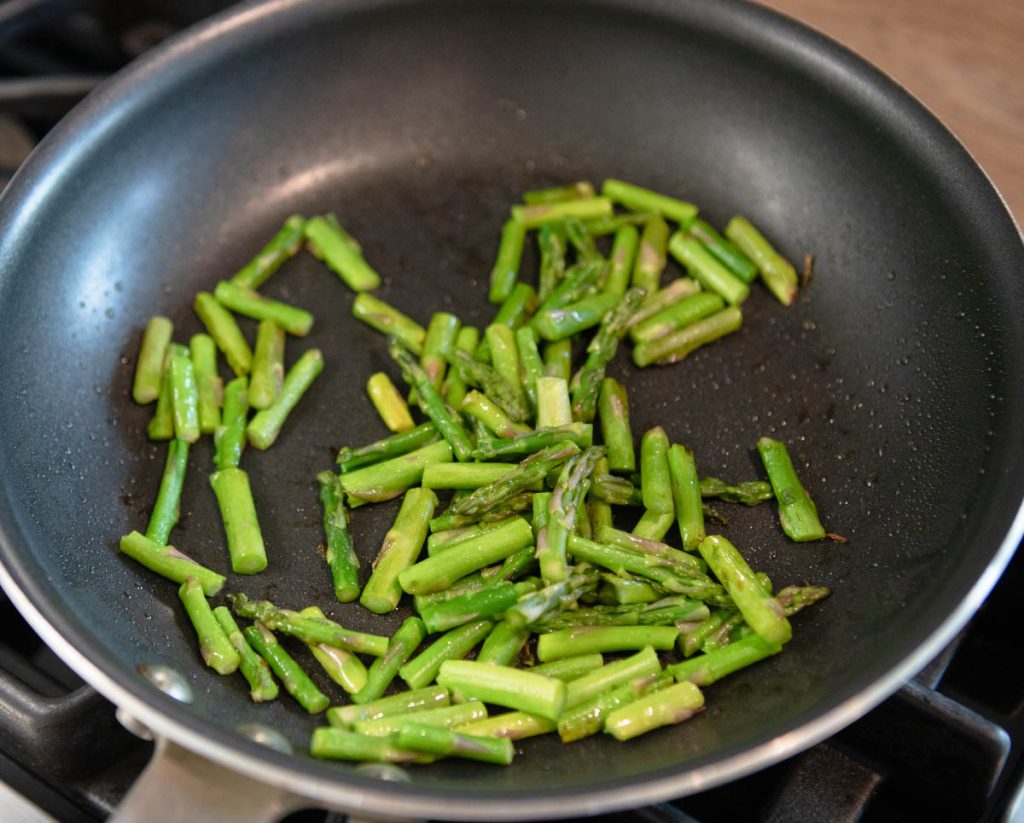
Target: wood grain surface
[(964, 59)]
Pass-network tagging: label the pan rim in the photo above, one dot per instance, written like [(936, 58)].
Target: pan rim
[(391, 800)]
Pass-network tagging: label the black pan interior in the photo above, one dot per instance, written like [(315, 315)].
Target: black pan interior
[(895, 378)]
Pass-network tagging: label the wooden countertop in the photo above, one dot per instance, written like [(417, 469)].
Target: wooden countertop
[(964, 59)]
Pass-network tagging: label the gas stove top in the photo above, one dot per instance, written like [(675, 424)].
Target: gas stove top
[(947, 746)]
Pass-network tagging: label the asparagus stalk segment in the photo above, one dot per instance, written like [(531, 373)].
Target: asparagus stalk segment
[(168, 562), (483, 377), (184, 396), (588, 718), (570, 490), (513, 725), (445, 717), (655, 479), (504, 686), (640, 199), (452, 645), (642, 664), (343, 667), (705, 268), (776, 271), (568, 669), (662, 708), (558, 359), (726, 253), (759, 609), (750, 492), (267, 365), (551, 242), (686, 494), (654, 525), (463, 475), (797, 512), (620, 262), (150, 366), (706, 669), (241, 525), (675, 346), (340, 554), (441, 741), (442, 334), (583, 208), (523, 445), (281, 247), (446, 421), (613, 412), (589, 639), (217, 651), (224, 330), (439, 572), (266, 424), (415, 700), (650, 259), (600, 353), (389, 403), (254, 668), (295, 681), (307, 629), (229, 439), (558, 194), (341, 253), (402, 544), (338, 744), (390, 321), (506, 267), (383, 670), (658, 301), (251, 303), (677, 316), (482, 408), (454, 387), (168, 498), (503, 644), (387, 448), (209, 386), (564, 321), (161, 426)]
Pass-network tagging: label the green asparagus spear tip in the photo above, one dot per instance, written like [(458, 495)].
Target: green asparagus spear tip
[(216, 649), (750, 492), (487, 379), (336, 248), (390, 321), (266, 424), (282, 246), (797, 512), (600, 353), (446, 421)]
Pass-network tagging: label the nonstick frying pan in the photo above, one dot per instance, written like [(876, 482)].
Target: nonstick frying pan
[(895, 378)]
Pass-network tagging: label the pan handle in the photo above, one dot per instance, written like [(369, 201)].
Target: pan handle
[(178, 785)]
